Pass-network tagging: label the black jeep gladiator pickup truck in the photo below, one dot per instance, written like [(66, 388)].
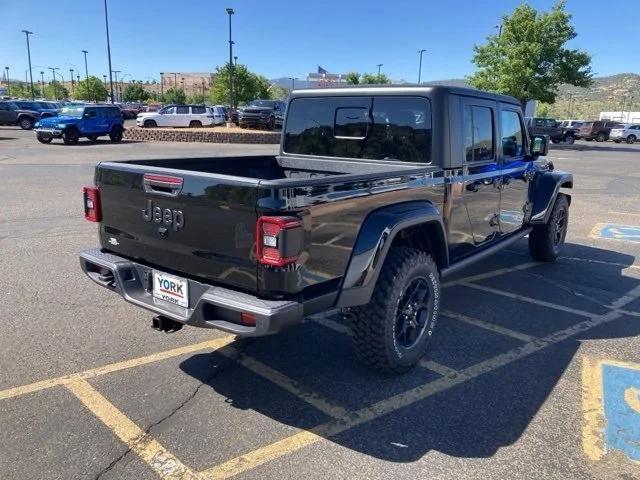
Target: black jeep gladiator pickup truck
[(377, 194)]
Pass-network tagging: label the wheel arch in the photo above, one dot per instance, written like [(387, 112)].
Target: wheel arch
[(545, 190), (415, 224)]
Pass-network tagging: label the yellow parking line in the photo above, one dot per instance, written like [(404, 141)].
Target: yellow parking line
[(284, 382), (592, 441), (300, 440), (114, 367), (523, 337), (163, 462)]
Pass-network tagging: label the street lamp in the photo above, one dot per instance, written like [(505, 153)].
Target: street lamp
[(8, 82), (106, 21), (293, 83), (27, 33), (111, 81), (235, 60), (499, 27), (379, 67), (420, 65), (42, 77), (86, 70), (161, 84), (182, 81), (104, 79), (231, 69), (71, 72)]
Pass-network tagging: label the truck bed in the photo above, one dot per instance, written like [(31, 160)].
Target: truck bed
[(220, 200)]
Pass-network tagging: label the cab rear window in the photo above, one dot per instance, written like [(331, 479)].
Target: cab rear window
[(368, 127)]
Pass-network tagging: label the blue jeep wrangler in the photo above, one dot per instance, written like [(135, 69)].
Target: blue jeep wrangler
[(75, 121)]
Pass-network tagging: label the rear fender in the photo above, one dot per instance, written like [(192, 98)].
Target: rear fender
[(544, 191), (376, 235)]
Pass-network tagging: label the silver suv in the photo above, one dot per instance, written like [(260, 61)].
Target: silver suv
[(627, 132)]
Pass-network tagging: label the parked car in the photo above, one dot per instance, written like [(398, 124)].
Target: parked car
[(627, 132), (262, 113), (218, 115), (597, 130), (571, 124), (418, 183), (45, 110), (193, 116), (545, 126), (12, 113), (225, 110), (74, 122), (570, 130)]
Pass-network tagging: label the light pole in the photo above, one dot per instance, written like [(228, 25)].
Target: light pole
[(27, 33), (235, 60), (570, 109), (71, 72), (420, 65), (231, 69), (379, 67), (293, 83), (53, 74), (161, 84), (104, 79), (116, 72), (499, 27), (182, 81), (106, 21), (42, 77), (86, 70), (8, 81)]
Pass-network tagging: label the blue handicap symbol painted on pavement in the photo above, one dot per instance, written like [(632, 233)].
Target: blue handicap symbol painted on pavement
[(628, 233), (621, 402)]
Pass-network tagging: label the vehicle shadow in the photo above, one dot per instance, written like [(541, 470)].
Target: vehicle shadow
[(88, 143), (582, 146), (472, 416)]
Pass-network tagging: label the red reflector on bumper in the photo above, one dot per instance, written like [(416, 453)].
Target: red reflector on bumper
[(248, 319)]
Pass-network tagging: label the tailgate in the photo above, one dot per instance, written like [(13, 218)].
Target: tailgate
[(195, 224)]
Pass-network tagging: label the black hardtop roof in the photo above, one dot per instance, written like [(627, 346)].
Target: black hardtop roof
[(404, 89)]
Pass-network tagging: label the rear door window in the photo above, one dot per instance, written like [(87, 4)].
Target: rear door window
[(478, 133), (376, 128), (182, 110), (512, 135), (198, 110)]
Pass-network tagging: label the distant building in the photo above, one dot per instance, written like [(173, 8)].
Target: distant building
[(192, 82), (322, 78), (622, 117)]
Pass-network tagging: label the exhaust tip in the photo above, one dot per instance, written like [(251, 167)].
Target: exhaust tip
[(164, 324)]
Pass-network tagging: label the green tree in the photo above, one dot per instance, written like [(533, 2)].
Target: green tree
[(196, 98), (276, 92), (174, 95), (247, 85), (91, 89), (353, 78), (529, 59), (23, 90), (542, 110), (55, 90), (134, 92), (374, 78)]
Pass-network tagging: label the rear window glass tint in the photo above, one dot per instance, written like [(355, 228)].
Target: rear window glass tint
[(198, 110)]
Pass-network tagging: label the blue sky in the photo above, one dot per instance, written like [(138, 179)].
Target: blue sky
[(279, 38)]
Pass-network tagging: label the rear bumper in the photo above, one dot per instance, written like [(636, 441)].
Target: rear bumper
[(209, 306)]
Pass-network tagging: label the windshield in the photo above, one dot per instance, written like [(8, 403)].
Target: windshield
[(262, 103), (72, 112)]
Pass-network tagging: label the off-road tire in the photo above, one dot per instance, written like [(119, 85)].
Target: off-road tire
[(271, 124), (26, 123), (70, 136), (374, 325), (150, 124), (42, 139), (570, 140), (546, 241), (195, 124), (631, 139), (601, 137), (116, 134)]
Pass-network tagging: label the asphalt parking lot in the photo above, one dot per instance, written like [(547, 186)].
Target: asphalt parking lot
[(531, 369)]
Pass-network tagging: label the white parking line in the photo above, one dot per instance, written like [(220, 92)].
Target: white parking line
[(523, 337), (534, 301)]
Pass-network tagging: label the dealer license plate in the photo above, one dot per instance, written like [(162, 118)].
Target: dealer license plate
[(171, 289)]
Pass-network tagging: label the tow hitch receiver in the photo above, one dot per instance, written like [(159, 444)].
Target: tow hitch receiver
[(164, 324)]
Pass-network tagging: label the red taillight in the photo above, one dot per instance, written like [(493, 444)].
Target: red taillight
[(279, 240), (91, 198), (248, 319)]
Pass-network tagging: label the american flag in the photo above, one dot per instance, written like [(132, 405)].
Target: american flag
[(321, 71)]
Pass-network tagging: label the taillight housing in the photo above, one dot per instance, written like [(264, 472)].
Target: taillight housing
[(279, 240), (91, 200)]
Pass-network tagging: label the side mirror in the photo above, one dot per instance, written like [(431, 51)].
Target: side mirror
[(539, 145)]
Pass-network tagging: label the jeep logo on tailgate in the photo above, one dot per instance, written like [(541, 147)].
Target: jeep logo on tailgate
[(163, 215)]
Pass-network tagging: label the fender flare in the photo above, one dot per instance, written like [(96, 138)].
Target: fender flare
[(545, 189), (373, 242)]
